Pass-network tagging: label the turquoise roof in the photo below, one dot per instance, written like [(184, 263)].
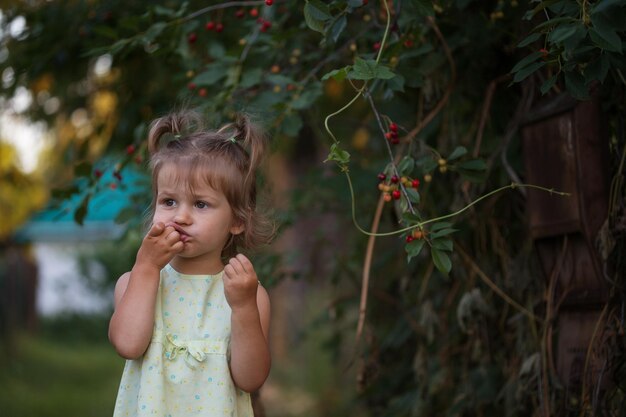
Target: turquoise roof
[(128, 198)]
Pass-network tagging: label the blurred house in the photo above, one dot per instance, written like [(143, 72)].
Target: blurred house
[(57, 240)]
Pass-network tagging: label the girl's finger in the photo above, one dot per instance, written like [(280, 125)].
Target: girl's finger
[(229, 271), (236, 264), (172, 235), (245, 263), (156, 229)]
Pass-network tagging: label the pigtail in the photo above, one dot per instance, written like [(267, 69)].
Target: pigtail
[(174, 125)]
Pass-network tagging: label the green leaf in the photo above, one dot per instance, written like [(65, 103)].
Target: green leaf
[(355, 3), (406, 165), (440, 225), (441, 260), (548, 84), (575, 85), (215, 72), (414, 196), (529, 39), (251, 78), (291, 124), (597, 69), (473, 165), (81, 211), (337, 27), (457, 153), (338, 74), (527, 71), (443, 244), (542, 5), (216, 50), (396, 83), (369, 69), (414, 248), (606, 5), (307, 98), (524, 62), (410, 218), (154, 31), (561, 33), (421, 8), (553, 22), (608, 40), (338, 155), (442, 232), (316, 14)]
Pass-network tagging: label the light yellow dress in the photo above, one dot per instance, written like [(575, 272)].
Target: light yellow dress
[(185, 370)]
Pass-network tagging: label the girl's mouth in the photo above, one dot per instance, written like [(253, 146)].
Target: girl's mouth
[(184, 237)]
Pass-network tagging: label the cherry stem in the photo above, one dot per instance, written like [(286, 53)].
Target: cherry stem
[(420, 225)]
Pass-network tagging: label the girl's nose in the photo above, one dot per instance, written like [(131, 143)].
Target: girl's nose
[(182, 216)]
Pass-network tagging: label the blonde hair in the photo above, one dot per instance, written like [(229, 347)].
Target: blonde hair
[(226, 159)]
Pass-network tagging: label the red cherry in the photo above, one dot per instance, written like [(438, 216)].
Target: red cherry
[(97, 173), (364, 3), (265, 25), (191, 86), (393, 127), (210, 26), (130, 149), (192, 38), (394, 134), (202, 92), (113, 186), (388, 136), (376, 46), (269, 2), (254, 12), (396, 194), (219, 27), (408, 43), (409, 239), (240, 13), (381, 177), (415, 183), (394, 141), (395, 179)]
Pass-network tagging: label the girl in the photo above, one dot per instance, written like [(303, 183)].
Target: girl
[(191, 316)]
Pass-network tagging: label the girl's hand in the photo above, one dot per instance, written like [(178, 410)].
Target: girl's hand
[(159, 246), (240, 282)]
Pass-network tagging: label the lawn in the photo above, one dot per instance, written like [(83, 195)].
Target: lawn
[(44, 377)]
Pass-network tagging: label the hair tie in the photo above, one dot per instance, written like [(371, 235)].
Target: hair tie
[(177, 136), (232, 139)]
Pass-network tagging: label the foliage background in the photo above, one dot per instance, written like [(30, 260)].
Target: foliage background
[(456, 76)]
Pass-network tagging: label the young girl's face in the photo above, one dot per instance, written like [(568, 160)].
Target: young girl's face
[(200, 214)]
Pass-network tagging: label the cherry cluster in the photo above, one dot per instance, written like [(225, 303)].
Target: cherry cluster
[(391, 188), (392, 134)]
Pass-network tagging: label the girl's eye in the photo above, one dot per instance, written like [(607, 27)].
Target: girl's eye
[(168, 202), (201, 205)]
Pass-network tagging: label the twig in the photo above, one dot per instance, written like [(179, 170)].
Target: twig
[(493, 286), (367, 266), (446, 96), (222, 6)]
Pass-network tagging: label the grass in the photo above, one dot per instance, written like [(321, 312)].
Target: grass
[(55, 378), (68, 369)]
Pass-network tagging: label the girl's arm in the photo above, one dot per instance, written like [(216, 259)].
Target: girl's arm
[(249, 347), (131, 325)]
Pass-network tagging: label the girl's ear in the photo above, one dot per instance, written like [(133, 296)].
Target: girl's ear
[(237, 228)]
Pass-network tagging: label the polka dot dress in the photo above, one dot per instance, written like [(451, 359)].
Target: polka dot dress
[(185, 370)]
